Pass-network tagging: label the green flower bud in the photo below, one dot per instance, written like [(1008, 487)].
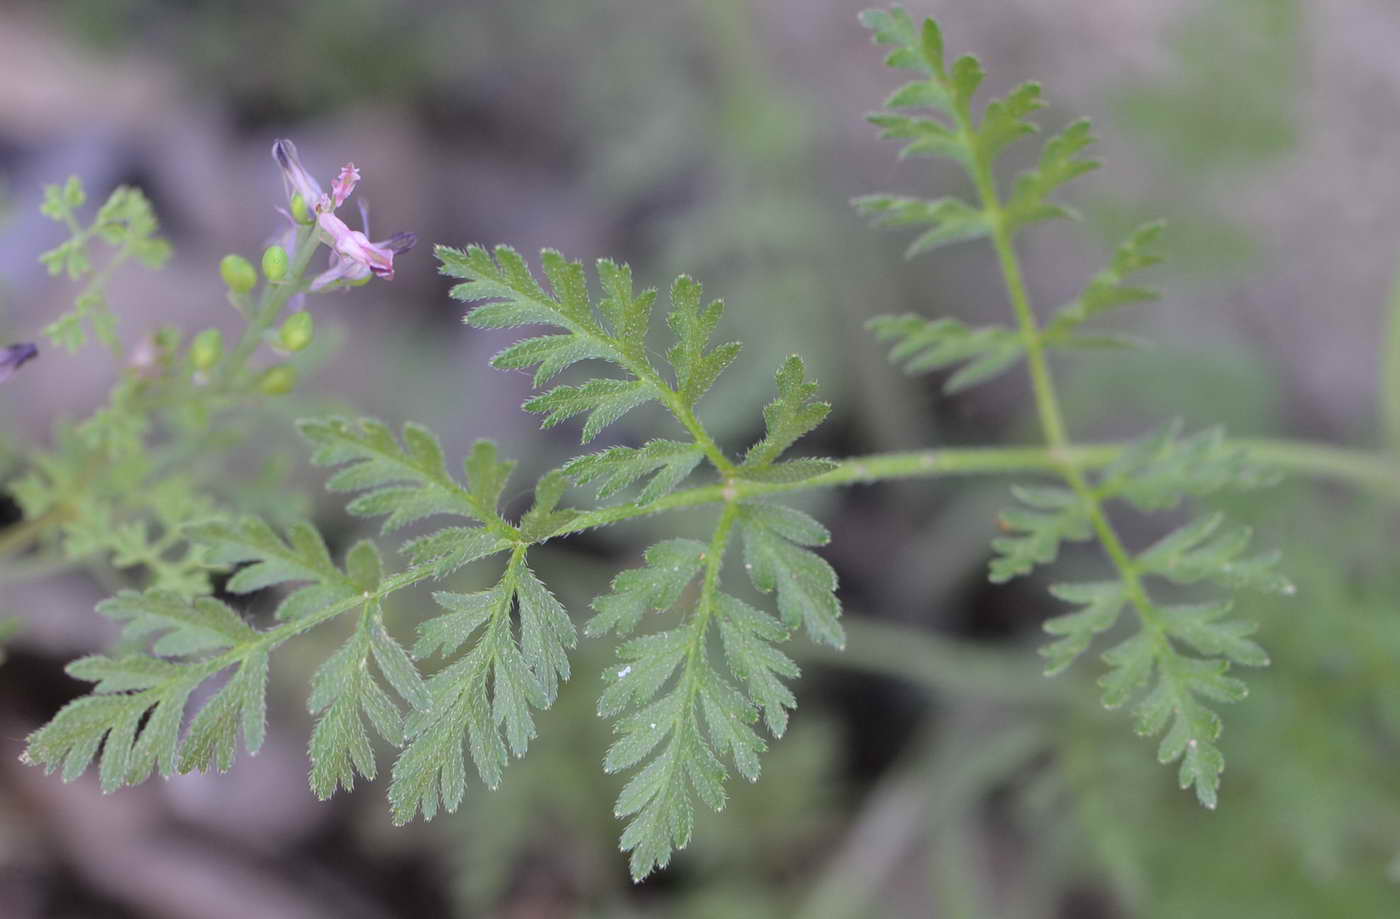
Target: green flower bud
[(167, 338), (206, 349), (300, 212), (238, 273), (274, 263), (296, 332), (279, 380)]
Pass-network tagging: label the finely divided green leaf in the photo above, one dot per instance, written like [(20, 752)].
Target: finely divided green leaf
[(1157, 471), (1191, 728), (1060, 163), (1108, 290), (665, 724), (404, 482), (212, 738), (774, 554), (915, 49), (696, 368), (788, 417), (449, 549), (951, 220), (1205, 629), (135, 711), (516, 298), (749, 636), (180, 625), (666, 462), (604, 400), (1200, 552), (923, 345), (1051, 516), (927, 136), (1005, 120), (1102, 602), (269, 560), (550, 355), (482, 701), (670, 567), (344, 693)]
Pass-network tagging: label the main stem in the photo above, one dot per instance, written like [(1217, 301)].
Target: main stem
[(1047, 401)]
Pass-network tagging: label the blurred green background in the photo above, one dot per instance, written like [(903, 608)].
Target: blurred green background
[(929, 770)]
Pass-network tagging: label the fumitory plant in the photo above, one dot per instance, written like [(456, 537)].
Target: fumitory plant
[(701, 684)]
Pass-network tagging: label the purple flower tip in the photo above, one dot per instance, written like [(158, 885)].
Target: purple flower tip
[(15, 356), (400, 242), (294, 176)]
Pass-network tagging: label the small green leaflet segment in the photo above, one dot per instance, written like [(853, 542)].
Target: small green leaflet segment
[(1108, 291), (484, 697), (777, 558), (678, 714), (951, 220), (300, 556), (409, 482), (344, 693), (614, 330), (1157, 471), (1050, 515), (924, 345), (664, 463), (790, 416)]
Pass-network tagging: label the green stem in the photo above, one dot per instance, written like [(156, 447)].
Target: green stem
[(641, 368), (714, 561), (687, 417), (1042, 382), (1367, 471), (1390, 374)]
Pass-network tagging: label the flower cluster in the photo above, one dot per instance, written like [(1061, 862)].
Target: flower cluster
[(354, 258)]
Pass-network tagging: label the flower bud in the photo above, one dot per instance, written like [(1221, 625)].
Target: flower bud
[(296, 332), (167, 338), (238, 273), (278, 381), (300, 212), (274, 263), (206, 349)]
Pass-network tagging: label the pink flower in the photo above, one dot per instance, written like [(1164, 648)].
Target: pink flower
[(354, 258), (345, 183)]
